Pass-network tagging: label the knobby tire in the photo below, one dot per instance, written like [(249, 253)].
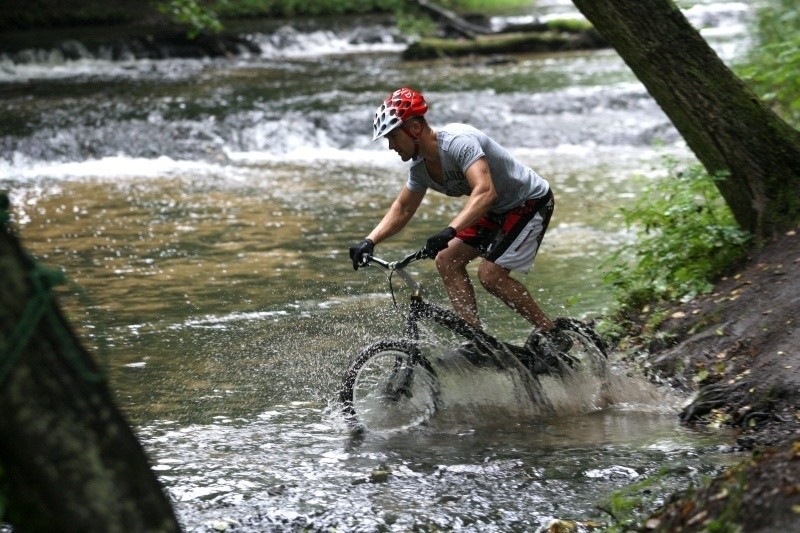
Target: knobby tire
[(407, 360)]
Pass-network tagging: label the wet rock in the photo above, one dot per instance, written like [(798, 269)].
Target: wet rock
[(277, 490), (74, 50), (26, 56), (158, 45), (379, 475), (284, 37), (225, 524), (121, 51), (55, 56), (562, 526), (367, 36)]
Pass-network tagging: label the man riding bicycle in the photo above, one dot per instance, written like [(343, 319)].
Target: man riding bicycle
[(503, 220)]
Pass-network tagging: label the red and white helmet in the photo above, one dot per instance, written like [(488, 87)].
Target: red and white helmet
[(398, 107)]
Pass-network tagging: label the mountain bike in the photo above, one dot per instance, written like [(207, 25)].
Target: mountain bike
[(393, 382)]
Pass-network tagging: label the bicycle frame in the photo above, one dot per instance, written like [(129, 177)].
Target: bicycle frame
[(420, 309), (482, 350)]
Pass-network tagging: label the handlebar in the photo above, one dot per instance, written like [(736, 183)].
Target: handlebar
[(398, 265)]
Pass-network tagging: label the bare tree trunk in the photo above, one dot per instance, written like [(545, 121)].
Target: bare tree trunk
[(68, 457), (726, 126)]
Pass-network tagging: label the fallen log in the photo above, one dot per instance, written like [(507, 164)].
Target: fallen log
[(552, 40)]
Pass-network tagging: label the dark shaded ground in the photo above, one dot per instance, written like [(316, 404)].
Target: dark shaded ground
[(742, 345)]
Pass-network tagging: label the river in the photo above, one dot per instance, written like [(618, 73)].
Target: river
[(202, 211)]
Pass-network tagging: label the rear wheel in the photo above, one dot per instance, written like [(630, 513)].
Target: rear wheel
[(389, 387), (588, 350)]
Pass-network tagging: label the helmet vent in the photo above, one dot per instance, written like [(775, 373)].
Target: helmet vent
[(398, 107)]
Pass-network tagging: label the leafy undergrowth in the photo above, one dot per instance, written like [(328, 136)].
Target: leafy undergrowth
[(738, 347), (686, 239)]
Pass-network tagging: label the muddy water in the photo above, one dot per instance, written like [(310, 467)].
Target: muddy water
[(202, 211)]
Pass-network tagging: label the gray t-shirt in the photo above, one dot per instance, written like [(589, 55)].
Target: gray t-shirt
[(460, 145)]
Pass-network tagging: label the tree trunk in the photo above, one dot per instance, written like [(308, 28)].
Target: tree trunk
[(69, 460), (723, 122)]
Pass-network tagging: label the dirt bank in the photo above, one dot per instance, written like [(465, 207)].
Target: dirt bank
[(740, 346)]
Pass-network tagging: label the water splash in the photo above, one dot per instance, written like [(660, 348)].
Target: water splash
[(500, 387)]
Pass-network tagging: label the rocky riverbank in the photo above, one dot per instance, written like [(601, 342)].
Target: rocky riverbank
[(741, 346), (148, 43)]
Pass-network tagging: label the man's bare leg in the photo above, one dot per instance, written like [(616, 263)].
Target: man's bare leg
[(497, 281), (452, 265)]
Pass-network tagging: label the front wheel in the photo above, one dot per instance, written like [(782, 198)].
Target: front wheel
[(389, 387)]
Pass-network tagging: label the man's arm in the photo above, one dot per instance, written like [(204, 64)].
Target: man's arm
[(398, 215), (481, 198)]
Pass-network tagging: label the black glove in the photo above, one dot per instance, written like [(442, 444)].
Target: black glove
[(438, 242), (357, 253)]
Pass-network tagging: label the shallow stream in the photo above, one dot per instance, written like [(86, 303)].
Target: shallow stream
[(202, 210)]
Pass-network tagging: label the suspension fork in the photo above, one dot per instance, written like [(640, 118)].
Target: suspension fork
[(411, 328)]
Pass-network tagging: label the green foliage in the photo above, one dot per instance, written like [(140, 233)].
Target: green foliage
[(481, 6), (686, 239), (197, 17), (202, 15), (627, 504), (289, 8), (412, 24), (686, 236), (773, 66)]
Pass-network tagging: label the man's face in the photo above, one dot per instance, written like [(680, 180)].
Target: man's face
[(400, 142)]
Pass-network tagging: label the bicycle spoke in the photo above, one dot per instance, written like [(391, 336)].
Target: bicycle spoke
[(390, 391)]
